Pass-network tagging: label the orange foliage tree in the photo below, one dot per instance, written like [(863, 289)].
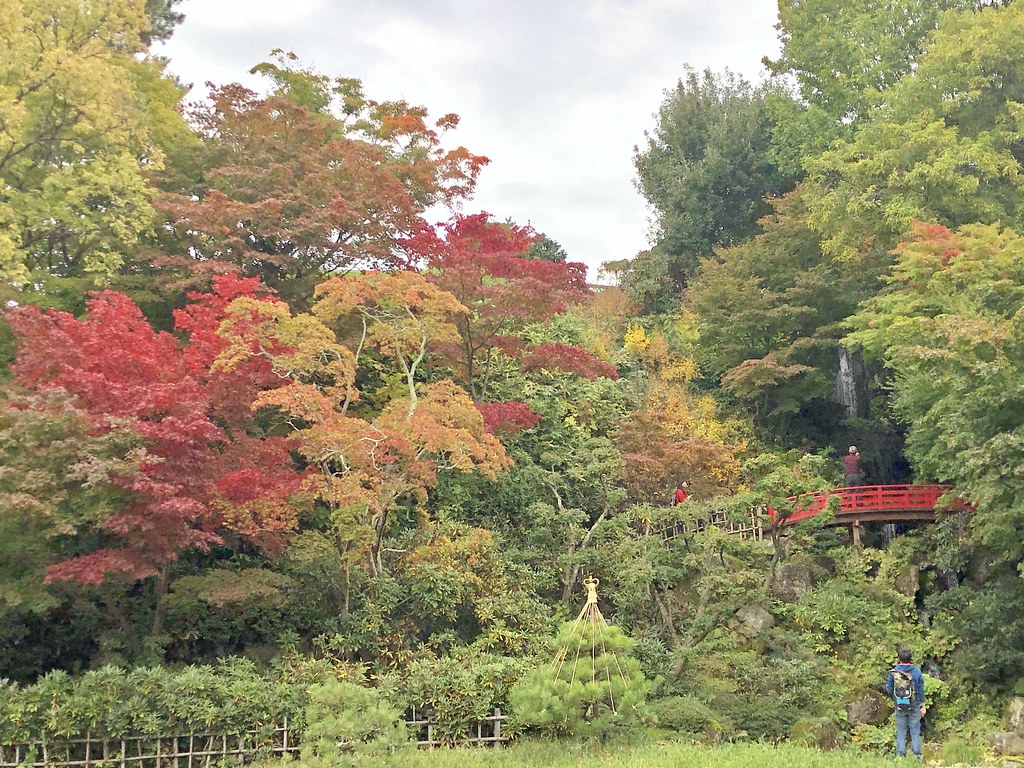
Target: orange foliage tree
[(313, 179), (676, 435), (366, 467)]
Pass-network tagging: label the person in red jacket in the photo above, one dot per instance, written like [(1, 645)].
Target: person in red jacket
[(851, 467), (681, 495)]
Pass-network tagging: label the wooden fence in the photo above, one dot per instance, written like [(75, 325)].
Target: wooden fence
[(207, 750), (486, 732), (151, 751), (751, 528)]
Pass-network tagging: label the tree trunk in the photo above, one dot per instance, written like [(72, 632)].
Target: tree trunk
[(778, 554), (665, 610), (162, 584)]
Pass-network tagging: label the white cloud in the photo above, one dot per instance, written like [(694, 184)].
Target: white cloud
[(252, 14)]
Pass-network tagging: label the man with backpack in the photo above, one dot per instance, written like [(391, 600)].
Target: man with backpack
[(905, 685)]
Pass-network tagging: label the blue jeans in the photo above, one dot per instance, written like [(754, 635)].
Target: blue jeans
[(908, 721)]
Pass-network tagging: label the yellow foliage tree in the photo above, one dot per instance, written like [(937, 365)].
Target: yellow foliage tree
[(76, 109)]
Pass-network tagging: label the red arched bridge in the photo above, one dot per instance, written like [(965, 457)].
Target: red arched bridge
[(874, 503), (857, 505)]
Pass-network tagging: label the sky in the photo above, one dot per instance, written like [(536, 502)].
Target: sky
[(557, 93)]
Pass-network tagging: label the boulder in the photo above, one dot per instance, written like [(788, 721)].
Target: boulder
[(755, 618), (1006, 743), (908, 581), (1015, 715), (868, 708), (793, 581)]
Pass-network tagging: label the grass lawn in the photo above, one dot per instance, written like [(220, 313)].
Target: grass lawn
[(540, 754)]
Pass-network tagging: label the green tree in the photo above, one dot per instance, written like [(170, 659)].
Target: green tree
[(845, 53), (944, 145), (950, 328), (593, 689), (162, 19), (769, 310), (54, 471), (706, 169), (546, 249)]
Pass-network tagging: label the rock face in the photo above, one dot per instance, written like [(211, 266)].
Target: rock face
[(868, 708), (1015, 714), (1006, 743), (755, 619), (909, 581), (793, 581)]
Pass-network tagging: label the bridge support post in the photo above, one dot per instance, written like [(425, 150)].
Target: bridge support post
[(855, 534)]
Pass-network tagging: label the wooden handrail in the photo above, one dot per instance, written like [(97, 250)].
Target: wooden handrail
[(854, 500)]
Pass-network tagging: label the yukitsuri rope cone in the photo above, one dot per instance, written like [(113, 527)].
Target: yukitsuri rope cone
[(590, 622), (592, 689)]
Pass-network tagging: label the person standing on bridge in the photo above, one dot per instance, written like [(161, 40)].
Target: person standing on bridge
[(851, 467), (905, 686)]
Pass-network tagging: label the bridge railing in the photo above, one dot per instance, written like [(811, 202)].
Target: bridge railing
[(869, 498)]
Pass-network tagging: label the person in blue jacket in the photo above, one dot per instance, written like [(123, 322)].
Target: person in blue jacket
[(905, 686)]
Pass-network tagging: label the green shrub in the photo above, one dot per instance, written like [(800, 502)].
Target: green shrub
[(762, 696), (110, 702), (880, 739), (687, 715), (348, 725), (815, 732), (959, 751), (457, 690)]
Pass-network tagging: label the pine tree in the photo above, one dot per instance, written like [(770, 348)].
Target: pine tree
[(592, 688)]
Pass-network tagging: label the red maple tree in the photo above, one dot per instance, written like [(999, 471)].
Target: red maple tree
[(196, 451), (568, 358), (485, 266), (507, 418)]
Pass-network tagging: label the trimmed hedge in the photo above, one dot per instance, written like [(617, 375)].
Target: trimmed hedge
[(231, 698)]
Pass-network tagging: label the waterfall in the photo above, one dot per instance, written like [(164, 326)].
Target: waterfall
[(889, 533), (948, 579), (851, 385)]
